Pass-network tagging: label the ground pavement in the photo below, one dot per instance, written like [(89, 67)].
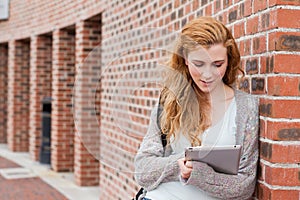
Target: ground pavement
[(24, 188), (24, 179)]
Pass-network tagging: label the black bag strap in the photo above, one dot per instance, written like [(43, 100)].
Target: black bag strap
[(159, 111), (140, 192), (163, 139)]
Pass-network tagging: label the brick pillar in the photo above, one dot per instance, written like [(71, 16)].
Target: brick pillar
[(62, 123), (270, 56), (88, 60), (18, 95), (3, 92), (40, 87)]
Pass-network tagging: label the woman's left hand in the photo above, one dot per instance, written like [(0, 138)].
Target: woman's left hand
[(186, 168)]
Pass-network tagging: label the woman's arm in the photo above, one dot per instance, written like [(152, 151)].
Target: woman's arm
[(240, 186), (151, 167)]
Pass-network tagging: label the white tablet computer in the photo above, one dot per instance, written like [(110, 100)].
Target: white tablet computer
[(223, 159)]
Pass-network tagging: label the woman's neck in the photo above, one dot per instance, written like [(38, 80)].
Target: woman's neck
[(221, 94), (219, 100)]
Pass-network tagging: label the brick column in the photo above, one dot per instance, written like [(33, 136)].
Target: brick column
[(280, 108), (270, 61), (3, 92), (40, 87), (18, 95), (88, 60), (62, 124)]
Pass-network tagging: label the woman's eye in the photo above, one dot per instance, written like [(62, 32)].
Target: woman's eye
[(198, 65), (218, 64)]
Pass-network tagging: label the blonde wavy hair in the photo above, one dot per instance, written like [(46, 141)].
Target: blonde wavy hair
[(183, 103)]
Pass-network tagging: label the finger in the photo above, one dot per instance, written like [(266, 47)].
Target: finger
[(189, 164), (186, 173), (180, 162)]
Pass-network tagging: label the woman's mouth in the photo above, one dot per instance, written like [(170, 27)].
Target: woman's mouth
[(206, 82)]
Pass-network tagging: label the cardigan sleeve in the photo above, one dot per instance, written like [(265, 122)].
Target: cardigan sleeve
[(242, 185), (151, 167)]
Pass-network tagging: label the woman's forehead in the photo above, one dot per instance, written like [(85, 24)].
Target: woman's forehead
[(213, 53)]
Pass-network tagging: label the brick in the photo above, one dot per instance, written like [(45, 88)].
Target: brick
[(252, 25), (283, 86), (265, 193), (259, 5), (280, 63), (284, 41), (285, 194), (241, 10), (277, 19), (239, 30), (292, 153), (265, 22), (266, 150), (251, 66), (263, 128), (248, 6), (286, 64), (217, 6), (280, 108), (273, 152), (282, 131), (259, 45), (195, 5), (283, 14), (258, 85), (208, 10), (233, 15), (291, 133), (267, 64), (261, 171), (244, 84), (282, 176), (226, 3), (245, 47), (283, 2)]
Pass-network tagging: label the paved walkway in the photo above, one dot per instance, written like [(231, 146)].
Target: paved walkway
[(22, 178)]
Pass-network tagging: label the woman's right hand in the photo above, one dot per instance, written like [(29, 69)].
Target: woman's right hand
[(186, 168)]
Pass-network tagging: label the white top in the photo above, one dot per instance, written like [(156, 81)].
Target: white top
[(223, 133)]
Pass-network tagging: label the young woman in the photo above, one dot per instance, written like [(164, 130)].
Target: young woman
[(200, 108)]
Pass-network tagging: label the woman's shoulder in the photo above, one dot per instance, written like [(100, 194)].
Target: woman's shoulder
[(246, 99)]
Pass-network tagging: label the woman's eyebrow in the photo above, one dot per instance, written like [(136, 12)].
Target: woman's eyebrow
[(197, 61), (204, 61), (219, 61)]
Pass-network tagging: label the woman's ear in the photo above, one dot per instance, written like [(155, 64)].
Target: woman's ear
[(186, 61), (185, 57)]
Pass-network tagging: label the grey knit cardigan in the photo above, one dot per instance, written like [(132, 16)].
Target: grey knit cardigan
[(155, 164)]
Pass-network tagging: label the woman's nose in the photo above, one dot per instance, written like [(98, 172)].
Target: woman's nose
[(206, 72)]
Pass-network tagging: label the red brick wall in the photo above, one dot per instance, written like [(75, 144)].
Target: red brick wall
[(18, 95), (268, 38), (62, 122), (40, 87), (272, 42), (3, 91), (86, 112), (267, 42)]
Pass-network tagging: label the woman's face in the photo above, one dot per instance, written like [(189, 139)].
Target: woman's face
[(208, 66)]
